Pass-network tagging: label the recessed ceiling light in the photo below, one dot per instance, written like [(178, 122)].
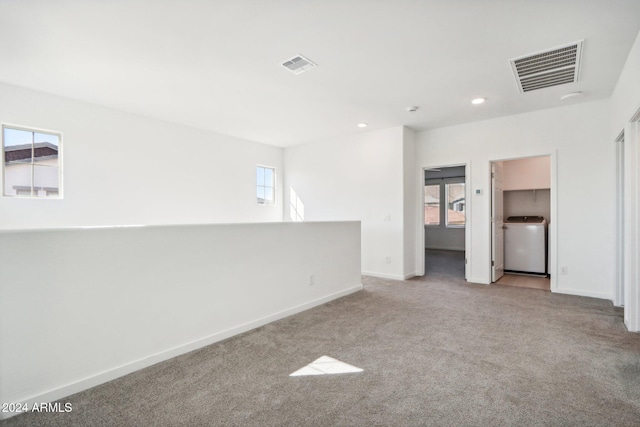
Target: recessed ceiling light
[(362, 125), (478, 101)]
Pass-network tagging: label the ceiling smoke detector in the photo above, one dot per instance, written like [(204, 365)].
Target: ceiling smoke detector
[(298, 64), (554, 67)]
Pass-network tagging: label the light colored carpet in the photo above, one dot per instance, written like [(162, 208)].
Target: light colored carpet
[(434, 351)]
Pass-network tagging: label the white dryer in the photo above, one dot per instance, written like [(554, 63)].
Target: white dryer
[(525, 244)]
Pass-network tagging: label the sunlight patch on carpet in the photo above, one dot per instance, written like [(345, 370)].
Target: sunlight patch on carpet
[(326, 365)]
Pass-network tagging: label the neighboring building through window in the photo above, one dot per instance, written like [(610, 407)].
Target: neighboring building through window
[(432, 204), (455, 204), (265, 185), (31, 162), (444, 200)]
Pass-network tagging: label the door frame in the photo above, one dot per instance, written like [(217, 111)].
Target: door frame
[(618, 294), (552, 239), (420, 261), (493, 218), (631, 227)]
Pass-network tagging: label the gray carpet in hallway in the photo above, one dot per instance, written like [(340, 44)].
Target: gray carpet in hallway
[(436, 352), (444, 264)]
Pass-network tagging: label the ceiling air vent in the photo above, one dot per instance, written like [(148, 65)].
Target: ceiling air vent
[(298, 64), (550, 68)]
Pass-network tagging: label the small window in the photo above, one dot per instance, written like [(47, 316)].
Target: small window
[(444, 203), (455, 205), (265, 185), (432, 204), (31, 163)]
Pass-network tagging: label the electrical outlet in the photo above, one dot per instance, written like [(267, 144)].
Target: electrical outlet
[(312, 280), (564, 270), (388, 259)]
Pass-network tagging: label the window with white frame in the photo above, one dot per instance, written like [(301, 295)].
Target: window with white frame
[(265, 185), (31, 165), (432, 204), (456, 212), (444, 203)]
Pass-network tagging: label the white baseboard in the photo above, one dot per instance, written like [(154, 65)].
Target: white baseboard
[(479, 281), (630, 327), (384, 275), (111, 374), (582, 293), (445, 249)]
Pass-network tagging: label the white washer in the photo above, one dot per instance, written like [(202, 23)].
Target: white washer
[(525, 244)]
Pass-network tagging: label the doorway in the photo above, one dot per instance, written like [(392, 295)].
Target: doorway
[(520, 219), (445, 221)]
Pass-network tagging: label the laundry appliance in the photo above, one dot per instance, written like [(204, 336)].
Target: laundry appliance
[(525, 244)]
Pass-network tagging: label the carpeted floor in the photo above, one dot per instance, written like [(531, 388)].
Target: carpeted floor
[(444, 264), (434, 351)]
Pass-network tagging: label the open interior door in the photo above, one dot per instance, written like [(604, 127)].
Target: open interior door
[(497, 222)]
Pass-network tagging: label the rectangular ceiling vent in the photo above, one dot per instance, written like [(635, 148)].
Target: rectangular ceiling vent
[(298, 64), (546, 69)]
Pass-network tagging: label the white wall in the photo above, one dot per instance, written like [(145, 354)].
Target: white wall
[(357, 178), (625, 103), (445, 238), (119, 168), (578, 137), (79, 307), (526, 174), (526, 184), (527, 203), (625, 100), (411, 205)]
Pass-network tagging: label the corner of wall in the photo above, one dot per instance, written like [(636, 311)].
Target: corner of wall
[(410, 233)]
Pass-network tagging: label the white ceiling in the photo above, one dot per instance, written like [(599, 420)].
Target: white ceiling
[(216, 64)]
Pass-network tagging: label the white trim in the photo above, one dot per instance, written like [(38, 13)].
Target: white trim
[(385, 276), (420, 261), (631, 227), (111, 374), (467, 228), (479, 281), (582, 293), (443, 211), (553, 224), (59, 156), (273, 203), (492, 221), (618, 294), (445, 249), (552, 228)]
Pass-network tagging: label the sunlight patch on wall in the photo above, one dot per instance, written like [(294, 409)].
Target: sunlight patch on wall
[(296, 207)]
